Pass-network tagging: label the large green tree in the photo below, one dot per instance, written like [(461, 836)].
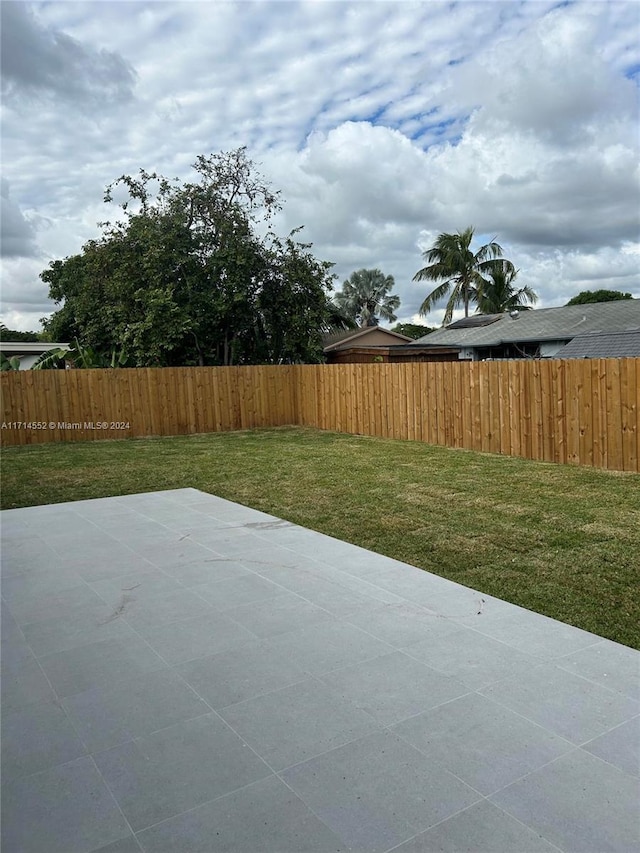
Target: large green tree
[(460, 271), (588, 296), (193, 274), (498, 292), (16, 336), (366, 297)]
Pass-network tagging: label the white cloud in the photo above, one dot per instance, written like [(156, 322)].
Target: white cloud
[(18, 233), (36, 58), (383, 124)]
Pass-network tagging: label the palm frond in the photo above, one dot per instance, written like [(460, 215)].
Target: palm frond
[(437, 295)]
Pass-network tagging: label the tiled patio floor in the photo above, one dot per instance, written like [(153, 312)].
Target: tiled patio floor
[(182, 674)]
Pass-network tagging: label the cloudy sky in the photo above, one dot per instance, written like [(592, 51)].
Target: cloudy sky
[(382, 123)]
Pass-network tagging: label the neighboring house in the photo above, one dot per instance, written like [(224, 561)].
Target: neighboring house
[(543, 333), (360, 345), (27, 353), (604, 345)]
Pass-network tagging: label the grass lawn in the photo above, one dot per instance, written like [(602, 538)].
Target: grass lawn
[(557, 539)]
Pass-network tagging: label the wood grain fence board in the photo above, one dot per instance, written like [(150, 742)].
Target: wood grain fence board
[(637, 372), (586, 417), (31, 405), (347, 401), (312, 389), (447, 405), (475, 419), (573, 411), (365, 400), (438, 399), (23, 404), (526, 409), (560, 427), (413, 402), (406, 412), (386, 401), (535, 408), (629, 415), (398, 403), (614, 417), (494, 406), (483, 408), (430, 423), (376, 406), (517, 409), (393, 400), (548, 419), (503, 408), (599, 398)]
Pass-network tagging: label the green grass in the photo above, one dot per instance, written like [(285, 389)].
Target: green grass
[(557, 539)]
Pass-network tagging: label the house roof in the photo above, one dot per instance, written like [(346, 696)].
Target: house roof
[(604, 345), (358, 337), (544, 324), (29, 348)]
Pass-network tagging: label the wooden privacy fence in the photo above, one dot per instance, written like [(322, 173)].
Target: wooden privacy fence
[(578, 411)]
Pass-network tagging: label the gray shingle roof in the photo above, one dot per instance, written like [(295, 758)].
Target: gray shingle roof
[(603, 345), (544, 324)]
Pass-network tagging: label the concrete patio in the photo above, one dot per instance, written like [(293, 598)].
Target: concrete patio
[(181, 673)]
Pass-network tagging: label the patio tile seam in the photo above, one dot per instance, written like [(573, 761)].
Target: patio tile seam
[(467, 808), (615, 690), (572, 748), (243, 701), (557, 734), (480, 797), (115, 539), (471, 692), (270, 692), (634, 777), (189, 719), (55, 695), (577, 750), (139, 636), (84, 583), (113, 797), (204, 805), (543, 658), (307, 804), (613, 729), (547, 658), (612, 690)]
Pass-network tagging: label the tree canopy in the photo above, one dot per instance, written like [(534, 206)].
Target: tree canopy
[(184, 275), (460, 271), (588, 296), (498, 293), (412, 330), (16, 336), (365, 297)]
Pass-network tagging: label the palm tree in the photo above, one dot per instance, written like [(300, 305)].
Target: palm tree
[(365, 297), (463, 271), (498, 293), (336, 320)]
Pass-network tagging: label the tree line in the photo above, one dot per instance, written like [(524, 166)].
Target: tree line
[(194, 274)]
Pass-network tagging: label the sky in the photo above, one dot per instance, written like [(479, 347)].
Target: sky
[(383, 124)]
